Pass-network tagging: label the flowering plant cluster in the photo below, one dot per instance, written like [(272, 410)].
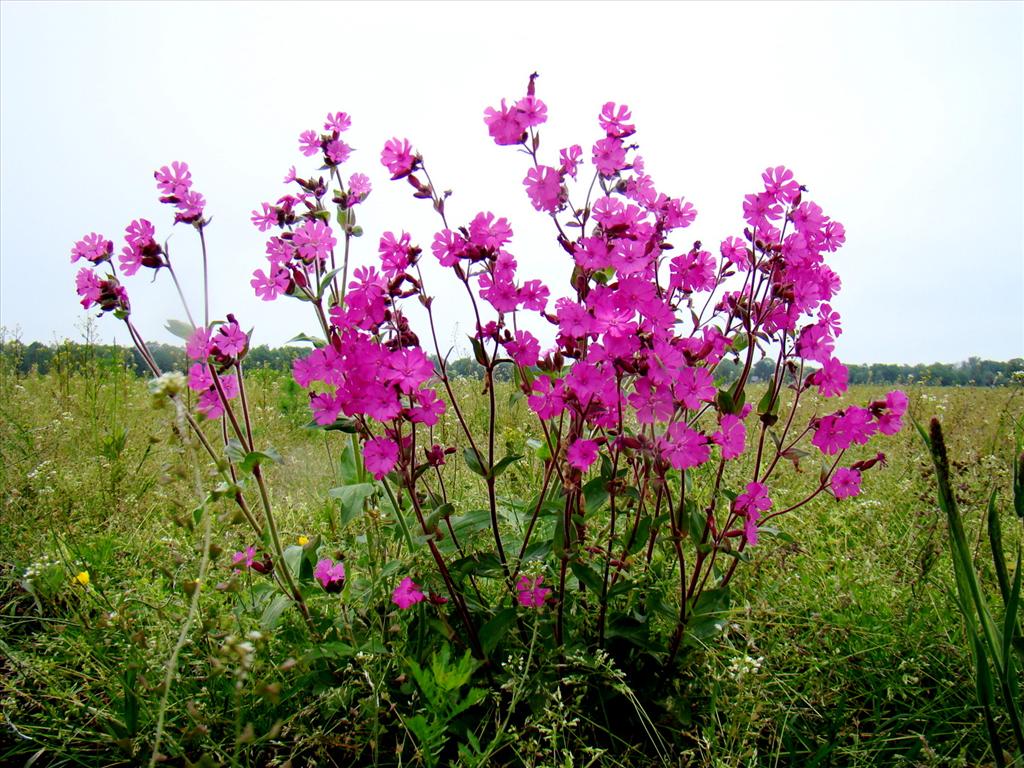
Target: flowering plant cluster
[(641, 434)]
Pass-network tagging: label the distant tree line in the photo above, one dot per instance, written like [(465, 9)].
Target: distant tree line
[(71, 356), (76, 357)]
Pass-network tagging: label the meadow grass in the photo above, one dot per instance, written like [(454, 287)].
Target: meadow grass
[(844, 645)]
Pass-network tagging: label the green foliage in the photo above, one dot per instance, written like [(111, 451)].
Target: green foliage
[(838, 643), (991, 641)]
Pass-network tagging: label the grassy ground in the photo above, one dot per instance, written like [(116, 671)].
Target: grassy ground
[(844, 647)]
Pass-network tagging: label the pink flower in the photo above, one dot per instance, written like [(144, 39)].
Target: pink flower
[(407, 594), (380, 456), (736, 252), (269, 287), (190, 207), (683, 447), (694, 386), (448, 246), (210, 405), (230, 340), (897, 402), (731, 435), (779, 183), (408, 368), (429, 407), (751, 504), (530, 592), (94, 248), (544, 187), (613, 120), (524, 349), (246, 557), (394, 253), (815, 344), (359, 187), (88, 286), (693, 271), (198, 345), (609, 156), (314, 241), (330, 574), (140, 232), (581, 454), (547, 400), (325, 408), (846, 483), (487, 231), (534, 295), (532, 111), (506, 125), (173, 181), (398, 158), (652, 402), (309, 143), (758, 210), (266, 219), (199, 378), (831, 378), (338, 151), (570, 159), (130, 260), (339, 122)]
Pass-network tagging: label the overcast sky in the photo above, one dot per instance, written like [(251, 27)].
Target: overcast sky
[(906, 122)]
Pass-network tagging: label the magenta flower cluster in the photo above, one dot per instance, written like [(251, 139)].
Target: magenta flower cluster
[(625, 379)]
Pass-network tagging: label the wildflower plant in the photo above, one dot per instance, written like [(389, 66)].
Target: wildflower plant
[(639, 518)]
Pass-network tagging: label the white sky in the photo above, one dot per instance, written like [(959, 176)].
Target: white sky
[(904, 120)]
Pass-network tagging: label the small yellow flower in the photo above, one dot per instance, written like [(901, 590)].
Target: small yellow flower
[(83, 578), (303, 541)]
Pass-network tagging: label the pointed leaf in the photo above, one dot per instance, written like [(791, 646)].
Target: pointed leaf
[(473, 461), (180, 329)]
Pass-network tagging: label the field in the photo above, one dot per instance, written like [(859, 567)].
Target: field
[(843, 646)]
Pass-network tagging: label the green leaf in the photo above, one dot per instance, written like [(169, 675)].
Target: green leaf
[(540, 448), (341, 424), (768, 406), (438, 514), (293, 559), (494, 630), (595, 495), (505, 463), (537, 551), (740, 341), (725, 402), (587, 576), (478, 351), (254, 458), (696, 521), (351, 499), (302, 337), (995, 539), (768, 530), (643, 532), (708, 617), (484, 564), (272, 613), (234, 451), (325, 281), (473, 461), (180, 329), (1010, 618), (348, 466)]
